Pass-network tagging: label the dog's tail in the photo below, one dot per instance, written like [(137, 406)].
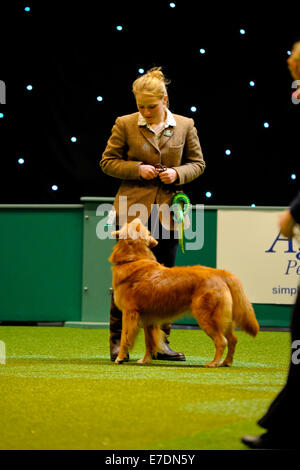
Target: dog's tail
[(242, 310)]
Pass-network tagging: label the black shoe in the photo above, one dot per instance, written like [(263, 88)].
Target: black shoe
[(268, 441), (169, 355)]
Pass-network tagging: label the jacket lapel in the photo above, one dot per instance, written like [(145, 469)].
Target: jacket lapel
[(149, 136), (166, 136)]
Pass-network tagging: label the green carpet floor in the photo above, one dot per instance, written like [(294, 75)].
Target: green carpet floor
[(59, 390)]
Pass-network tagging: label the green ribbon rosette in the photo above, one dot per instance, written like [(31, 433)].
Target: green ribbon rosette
[(181, 205)]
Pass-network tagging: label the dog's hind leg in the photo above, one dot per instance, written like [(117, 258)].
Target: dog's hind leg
[(206, 310), (130, 329), (232, 340), (220, 343)]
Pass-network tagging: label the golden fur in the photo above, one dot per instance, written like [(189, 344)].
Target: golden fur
[(149, 294)]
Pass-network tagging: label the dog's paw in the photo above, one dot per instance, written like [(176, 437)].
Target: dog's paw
[(226, 364), (119, 361), (145, 360), (212, 364)]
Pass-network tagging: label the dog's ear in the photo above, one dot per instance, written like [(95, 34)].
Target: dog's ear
[(152, 242), (135, 229)]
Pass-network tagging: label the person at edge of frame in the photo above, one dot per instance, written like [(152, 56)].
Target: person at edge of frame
[(282, 418), (154, 152)]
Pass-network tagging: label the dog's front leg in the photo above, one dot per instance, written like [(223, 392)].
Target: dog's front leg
[(130, 328)]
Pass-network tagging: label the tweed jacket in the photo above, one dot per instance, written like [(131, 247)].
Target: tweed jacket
[(131, 145)]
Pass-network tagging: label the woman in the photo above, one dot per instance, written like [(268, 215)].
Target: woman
[(153, 152)]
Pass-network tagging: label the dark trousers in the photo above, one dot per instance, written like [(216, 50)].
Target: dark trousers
[(165, 253), (283, 415)]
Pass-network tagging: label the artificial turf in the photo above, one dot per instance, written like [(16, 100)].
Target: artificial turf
[(59, 390)]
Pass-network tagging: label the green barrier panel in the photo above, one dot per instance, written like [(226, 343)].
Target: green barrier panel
[(97, 275), (41, 262), (54, 267)]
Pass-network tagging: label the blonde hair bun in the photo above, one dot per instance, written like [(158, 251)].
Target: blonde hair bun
[(156, 72), (152, 83)]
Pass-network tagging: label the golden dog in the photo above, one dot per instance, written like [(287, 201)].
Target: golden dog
[(149, 294)]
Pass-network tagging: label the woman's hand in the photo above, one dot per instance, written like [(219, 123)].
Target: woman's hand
[(168, 176), (148, 172)]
